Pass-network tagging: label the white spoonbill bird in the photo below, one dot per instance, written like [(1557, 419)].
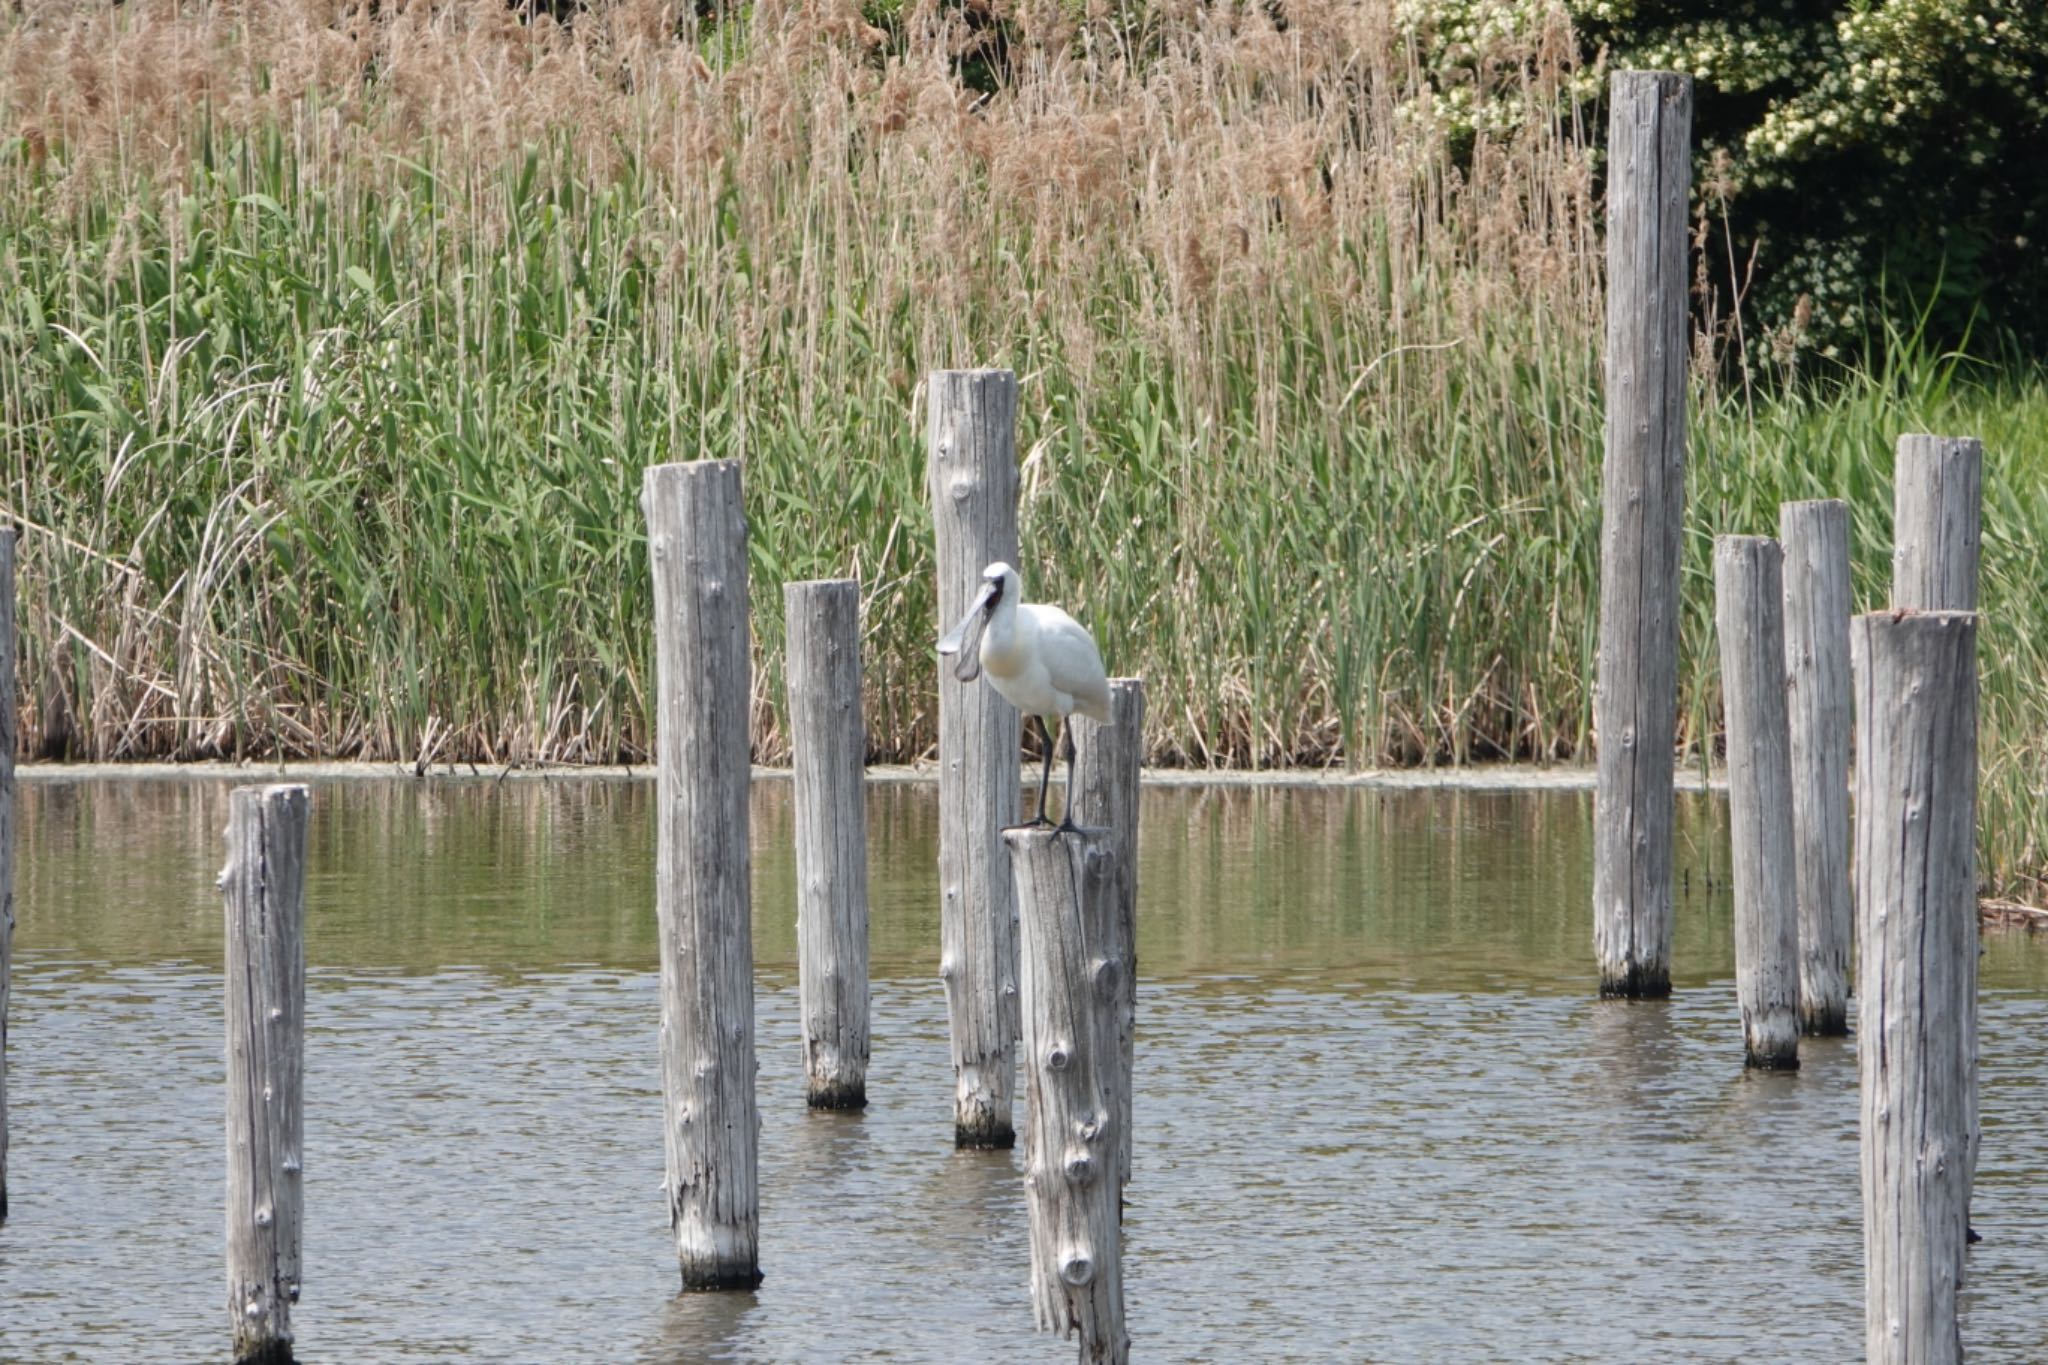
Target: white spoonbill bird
[(1041, 660)]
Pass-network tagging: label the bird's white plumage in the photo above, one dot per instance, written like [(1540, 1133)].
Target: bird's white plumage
[(1044, 662), (1039, 659)]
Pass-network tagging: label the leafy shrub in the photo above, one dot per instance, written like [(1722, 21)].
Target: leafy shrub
[(1881, 155)]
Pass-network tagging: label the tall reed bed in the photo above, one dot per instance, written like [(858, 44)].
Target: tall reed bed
[(334, 344)]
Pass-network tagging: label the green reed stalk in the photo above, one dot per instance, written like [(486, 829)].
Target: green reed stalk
[(325, 403)]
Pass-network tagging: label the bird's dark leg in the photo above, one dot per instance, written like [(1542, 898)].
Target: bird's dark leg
[(1067, 815), (1044, 778)]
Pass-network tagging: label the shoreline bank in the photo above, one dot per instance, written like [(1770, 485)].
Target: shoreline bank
[(1481, 778)]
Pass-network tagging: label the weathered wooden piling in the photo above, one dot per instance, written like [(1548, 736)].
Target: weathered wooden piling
[(1066, 894), (1937, 516), (1749, 617), (1937, 543), (828, 750), (1817, 609), (1916, 817), (1108, 764), (697, 544), (8, 723), (1642, 490), (264, 886), (973, 479)]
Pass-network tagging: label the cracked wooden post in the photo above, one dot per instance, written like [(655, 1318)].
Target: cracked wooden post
[(697, 544), (973, 475), (8, 722), (1642, 500), (1916, 908), (264, 887), (1749, 617), (1937, 484), (1066, 893), (1109, 763), (828, 752), (1937, 543), (1817, 610)]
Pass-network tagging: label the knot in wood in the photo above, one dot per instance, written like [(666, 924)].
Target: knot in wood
[(1106, 973), (252, 1310), (263, 1218), (1057, 1057), (1080, 1169), (1076, 1268)]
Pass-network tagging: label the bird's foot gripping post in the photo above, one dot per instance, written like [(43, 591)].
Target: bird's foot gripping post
[(1066, 824)]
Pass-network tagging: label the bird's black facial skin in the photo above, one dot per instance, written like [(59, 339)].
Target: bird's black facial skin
[(995, 592)]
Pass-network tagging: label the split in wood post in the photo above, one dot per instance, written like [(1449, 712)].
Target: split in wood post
[(1937, 522), (1066, 894), (1105, 793), (264, 888), (973, 482), (1817, 610), (697, 543), (828, 753), (1937, 543), (1916, 892), (9, 539), (1642, 507), (1749, 617)]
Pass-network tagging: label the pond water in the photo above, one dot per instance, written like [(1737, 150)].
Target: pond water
[(1380, 1113)]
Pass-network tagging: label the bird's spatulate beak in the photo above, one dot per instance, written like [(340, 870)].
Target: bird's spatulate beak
[(965, 638)]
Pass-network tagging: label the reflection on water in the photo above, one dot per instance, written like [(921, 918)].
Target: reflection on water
[(1379, 1113)]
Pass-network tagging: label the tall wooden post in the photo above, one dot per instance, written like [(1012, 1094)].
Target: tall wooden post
[(1937, 539), (8, 724), (829, 753), (697, 543), (1749, 607), (264, 885), (1817, 609), (1937, 484), (1916, 909), (973, 476), (1109, 760), (1066, 892), (1642, 490)]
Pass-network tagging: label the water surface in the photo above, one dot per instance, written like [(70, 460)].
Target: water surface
[(1379, 1113)]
